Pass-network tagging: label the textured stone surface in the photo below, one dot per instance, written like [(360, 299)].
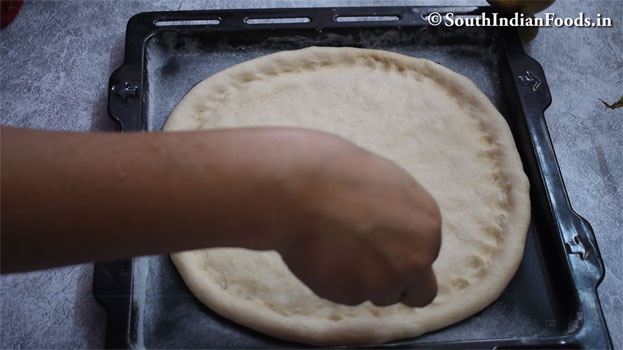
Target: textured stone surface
[(582, 65), (56, 57)]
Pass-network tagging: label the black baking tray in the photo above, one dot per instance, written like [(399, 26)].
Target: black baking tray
[(552, 300)]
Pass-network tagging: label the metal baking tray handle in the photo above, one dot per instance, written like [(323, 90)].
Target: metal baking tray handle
[(124, 98), (125, 87), (576, 233), (579, 238)]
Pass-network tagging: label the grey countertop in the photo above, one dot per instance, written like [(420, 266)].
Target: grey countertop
[(56, 57)]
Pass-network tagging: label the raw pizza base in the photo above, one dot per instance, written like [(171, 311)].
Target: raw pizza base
[(434, 122)]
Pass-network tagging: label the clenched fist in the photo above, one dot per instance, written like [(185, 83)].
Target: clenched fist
[(366, 230)]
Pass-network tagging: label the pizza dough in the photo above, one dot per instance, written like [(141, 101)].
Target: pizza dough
[(435, 123)]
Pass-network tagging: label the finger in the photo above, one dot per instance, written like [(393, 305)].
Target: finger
[(334, 285), (330, 279), (345, 299), (387, 298), (423, 291)]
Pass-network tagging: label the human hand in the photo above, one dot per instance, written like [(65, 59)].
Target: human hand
[(366, 230)]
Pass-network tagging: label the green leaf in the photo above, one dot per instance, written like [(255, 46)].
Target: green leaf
[(615, 105)]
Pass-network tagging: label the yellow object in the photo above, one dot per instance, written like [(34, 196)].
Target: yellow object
[(527, 7)]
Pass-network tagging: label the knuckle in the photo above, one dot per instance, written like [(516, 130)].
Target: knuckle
[(420, 298), (385, 291), (384, 301), (385, 295), (428, 289), (349, 299), (429, 294), (412, 264), (433, 236)]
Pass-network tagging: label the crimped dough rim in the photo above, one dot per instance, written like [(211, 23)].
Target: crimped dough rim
[(365, 330)]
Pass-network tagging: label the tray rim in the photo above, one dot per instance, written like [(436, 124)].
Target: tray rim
[(112, 282)]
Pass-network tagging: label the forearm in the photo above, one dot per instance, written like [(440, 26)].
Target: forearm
[(70, 197)]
